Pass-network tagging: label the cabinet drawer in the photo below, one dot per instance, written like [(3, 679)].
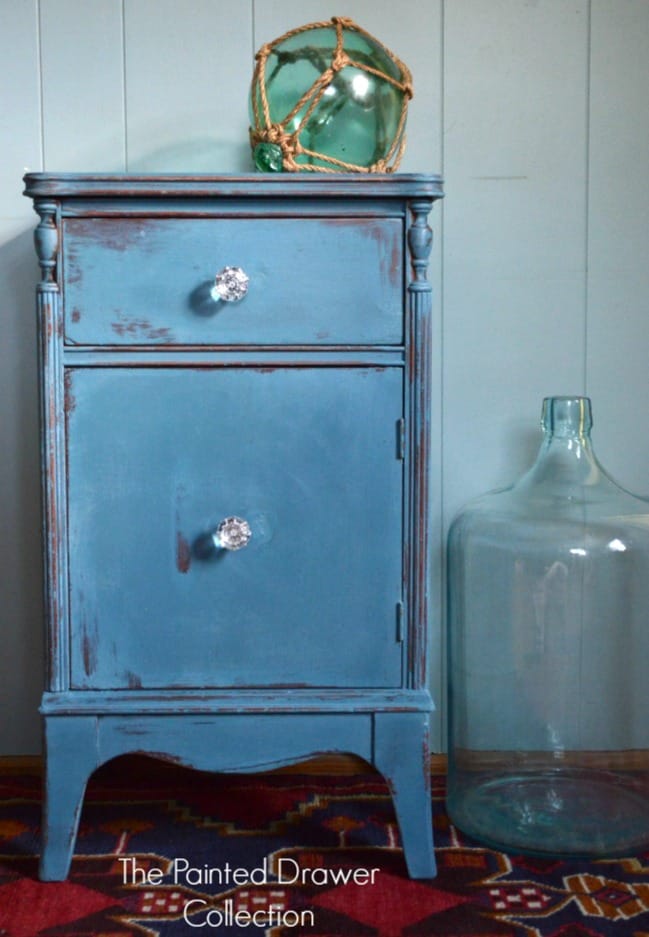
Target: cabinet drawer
[(158, 457), (312, 281)]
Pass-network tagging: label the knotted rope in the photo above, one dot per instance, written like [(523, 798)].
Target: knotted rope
[(265, 131)]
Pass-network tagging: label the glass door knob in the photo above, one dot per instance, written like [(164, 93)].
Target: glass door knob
[(233, 533), (230, 285)]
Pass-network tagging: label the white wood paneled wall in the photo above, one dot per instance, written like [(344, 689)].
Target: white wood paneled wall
[(536, 113)]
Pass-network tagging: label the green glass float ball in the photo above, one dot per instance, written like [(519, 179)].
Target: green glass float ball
[(268, 157), (357, 116)]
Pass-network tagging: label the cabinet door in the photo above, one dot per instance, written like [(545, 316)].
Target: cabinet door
[(157, 457)]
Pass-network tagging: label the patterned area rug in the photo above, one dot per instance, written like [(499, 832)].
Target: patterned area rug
[(164, 852)]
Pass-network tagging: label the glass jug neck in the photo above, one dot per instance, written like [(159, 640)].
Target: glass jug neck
[(566, 461), (567, 418)]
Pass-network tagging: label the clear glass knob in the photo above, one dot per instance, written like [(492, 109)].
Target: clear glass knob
[(233, 533), (230, 285)]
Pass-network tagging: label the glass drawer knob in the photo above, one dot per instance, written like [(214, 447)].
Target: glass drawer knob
[(233, 533), (230, 285)]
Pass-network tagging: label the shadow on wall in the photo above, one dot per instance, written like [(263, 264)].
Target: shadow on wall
[(197, 156), (21, 661)]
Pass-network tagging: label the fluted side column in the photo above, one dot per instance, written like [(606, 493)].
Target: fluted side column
[(52, 407), (420, 240)]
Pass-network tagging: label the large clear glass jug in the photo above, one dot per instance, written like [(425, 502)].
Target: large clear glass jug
[(549, 655)]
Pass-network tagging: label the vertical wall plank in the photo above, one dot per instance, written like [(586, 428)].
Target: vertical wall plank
[(83, 94), (618, 282), (514, 255), (188, 70), (21, 660), (20, 115)]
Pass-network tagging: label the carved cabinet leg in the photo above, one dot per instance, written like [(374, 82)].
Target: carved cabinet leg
[(71, 757), (401, 754)]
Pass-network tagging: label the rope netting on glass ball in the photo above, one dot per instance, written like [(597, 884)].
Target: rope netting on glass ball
[(350, 118)]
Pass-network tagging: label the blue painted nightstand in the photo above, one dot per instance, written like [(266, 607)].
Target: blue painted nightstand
[(235, 477)]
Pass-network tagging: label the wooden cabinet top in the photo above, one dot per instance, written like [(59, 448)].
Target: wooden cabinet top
[(306, 185)]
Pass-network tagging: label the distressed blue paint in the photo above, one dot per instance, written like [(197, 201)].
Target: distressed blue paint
[(401, 753), (71, 755), (157, 458), (280, 185), (420, 240), (244, 700), (235, 742), (50, 327), (304, 285), (314, 637), (348, 356)]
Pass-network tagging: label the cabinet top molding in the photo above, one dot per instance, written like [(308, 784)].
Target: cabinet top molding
[(398, 185)]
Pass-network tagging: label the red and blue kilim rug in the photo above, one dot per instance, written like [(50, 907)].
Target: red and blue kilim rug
[(164, 852)]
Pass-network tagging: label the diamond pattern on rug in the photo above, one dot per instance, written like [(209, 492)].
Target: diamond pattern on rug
[(326, 827), (394, 903), (598, 896), (24, 902)]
